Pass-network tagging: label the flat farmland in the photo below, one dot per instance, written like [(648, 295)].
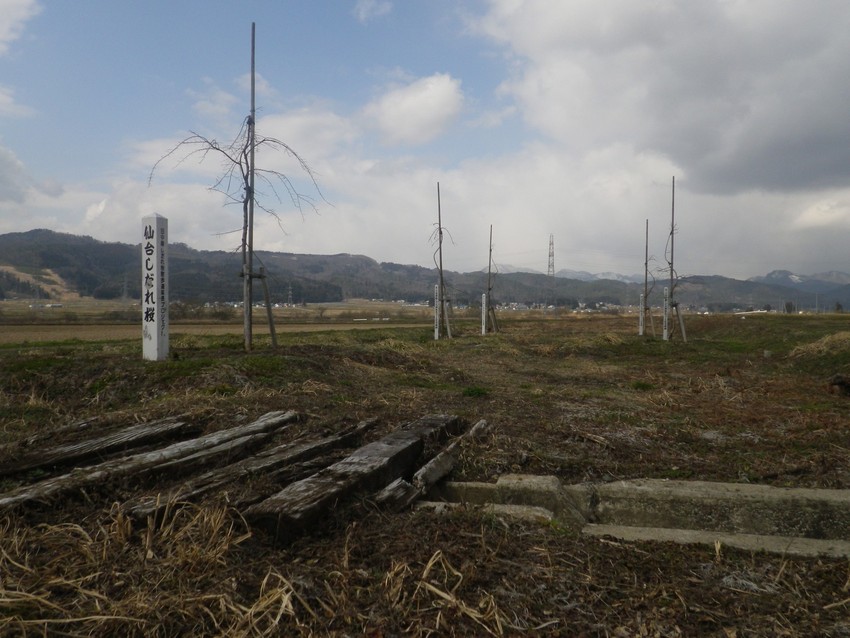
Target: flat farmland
[(89, 320), (35, 333), (753, 400)]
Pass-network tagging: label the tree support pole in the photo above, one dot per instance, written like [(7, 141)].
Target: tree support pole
[(681, 323), (264, 279)]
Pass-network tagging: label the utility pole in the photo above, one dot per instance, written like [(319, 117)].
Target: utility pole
[(672, 238), (442, 310), (645, 308), (248, 235), (491, 311), (551, 270), (674, 305), (248, 274)]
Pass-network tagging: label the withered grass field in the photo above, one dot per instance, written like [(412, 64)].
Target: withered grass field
[(579, 397)]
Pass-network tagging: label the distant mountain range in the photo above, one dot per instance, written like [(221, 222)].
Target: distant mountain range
[(49, 265), (583, 275), (578, 275), (825, 282)]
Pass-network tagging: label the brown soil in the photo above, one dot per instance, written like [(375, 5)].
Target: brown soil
[(583, 399), (48, 280)]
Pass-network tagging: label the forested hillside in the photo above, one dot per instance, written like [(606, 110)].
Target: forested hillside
[(37, 263)]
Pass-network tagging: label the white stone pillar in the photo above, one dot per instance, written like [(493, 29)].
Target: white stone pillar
[(155, 288), (484, 313), (437, 306), (666, 320), (642, 320)]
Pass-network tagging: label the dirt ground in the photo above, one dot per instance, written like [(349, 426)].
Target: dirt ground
[(746, 399)]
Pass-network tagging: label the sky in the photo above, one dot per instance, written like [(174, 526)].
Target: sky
[(537, 118)]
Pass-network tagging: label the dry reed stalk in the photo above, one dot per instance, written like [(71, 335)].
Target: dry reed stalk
[(609, 339), (838, 342), (276, 600), (440, 571), (394, 584), (313, 388), (401, 347), (194, 537), (70, 584)]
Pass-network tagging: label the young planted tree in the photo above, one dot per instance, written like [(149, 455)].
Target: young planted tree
[(238, 183)]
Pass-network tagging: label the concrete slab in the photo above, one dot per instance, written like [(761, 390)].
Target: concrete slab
[(515, 489), (522, 512), (794, 521), (725, 507), (787, 545)]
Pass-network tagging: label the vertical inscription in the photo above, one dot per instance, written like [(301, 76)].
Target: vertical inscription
[(155, 288)]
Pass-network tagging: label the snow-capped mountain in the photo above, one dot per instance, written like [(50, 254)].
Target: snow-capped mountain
[(821, 282)]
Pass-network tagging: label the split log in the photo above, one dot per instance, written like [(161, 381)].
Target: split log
[(46, 435), (124, 439), (401, 494), (277, 464), (398, 495), (368, 468), (139, 464), (223, 453), (442, 464)]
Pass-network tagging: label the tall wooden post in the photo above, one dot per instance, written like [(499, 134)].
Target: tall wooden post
[(444, 310), (672, 239), (491, 312), (248, 245)]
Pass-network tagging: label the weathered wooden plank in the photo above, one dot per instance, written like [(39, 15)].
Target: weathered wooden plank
[(368, 468), (138, 463), (444, 462), (226, 452), (401, 494), (126, 438), (398, 495), (47, 434), (274, 464)]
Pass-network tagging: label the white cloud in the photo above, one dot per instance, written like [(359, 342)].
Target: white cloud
[(367, 10), (262, 87), (495, 118), (94, 212), (13, 16), (57, 211), (8, 106), (315, 132), (417, 112), (742, 95), (214, 104), (13, 179), (824, 213)]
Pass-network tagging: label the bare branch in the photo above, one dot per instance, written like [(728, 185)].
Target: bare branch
[(234, 181)]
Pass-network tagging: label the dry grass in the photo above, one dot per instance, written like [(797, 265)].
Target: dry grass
[(582, 399), (64, 579), (830, 344)]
